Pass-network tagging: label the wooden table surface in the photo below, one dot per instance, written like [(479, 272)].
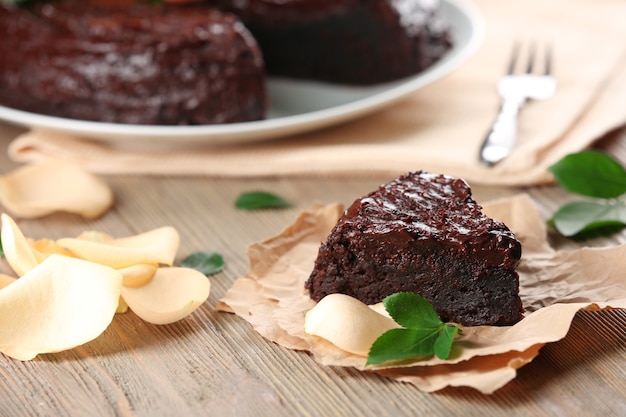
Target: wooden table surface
[(214, 364)]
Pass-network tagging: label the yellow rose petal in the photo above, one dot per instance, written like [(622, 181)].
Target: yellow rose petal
[(46, 247), (17, 251), (137, 275), (347, 323), (158, 246), (39, 189), (172, 294), (122, 307), (62, 303)]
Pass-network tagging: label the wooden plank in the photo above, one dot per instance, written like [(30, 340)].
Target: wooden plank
[(214, 364)]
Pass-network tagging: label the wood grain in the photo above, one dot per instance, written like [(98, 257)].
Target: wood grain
[(214, 364)]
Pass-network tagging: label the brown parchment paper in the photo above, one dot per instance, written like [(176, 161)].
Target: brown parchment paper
[(554, 285)]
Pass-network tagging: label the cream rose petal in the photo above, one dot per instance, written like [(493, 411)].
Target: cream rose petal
[(137, 275), (62, 303), (347, 323), (6, 280), (96, 236), (39, 189), (163, 241), (17, 250), (172, 294), (158, 246)]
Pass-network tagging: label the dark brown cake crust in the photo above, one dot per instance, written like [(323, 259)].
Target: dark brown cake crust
[(345, 41), (134, 62), (423, 233)]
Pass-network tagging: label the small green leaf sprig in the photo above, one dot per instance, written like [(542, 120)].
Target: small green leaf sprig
[(596, 175), (209, 263), (257, 200), (422, 333)]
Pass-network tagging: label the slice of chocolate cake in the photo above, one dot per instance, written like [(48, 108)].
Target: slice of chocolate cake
[(423, 233)]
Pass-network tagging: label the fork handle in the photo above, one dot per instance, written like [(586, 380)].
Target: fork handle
[(503, 134)]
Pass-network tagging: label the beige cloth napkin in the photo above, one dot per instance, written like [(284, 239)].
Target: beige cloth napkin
[(438, 128)]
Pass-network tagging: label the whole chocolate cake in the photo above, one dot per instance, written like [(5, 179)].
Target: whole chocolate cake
[(345, 41), (186, 62), (423, 233), (126, 61)]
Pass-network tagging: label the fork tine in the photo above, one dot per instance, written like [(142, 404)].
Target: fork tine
[(548, 66), (531, 58), (513, 60)]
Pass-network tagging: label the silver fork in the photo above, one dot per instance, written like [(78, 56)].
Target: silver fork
[(515, 90)]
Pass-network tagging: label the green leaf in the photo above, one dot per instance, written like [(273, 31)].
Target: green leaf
[(582, 216), (397, 344), (443, 344), (590, 173), (423, 333), (1, 249), (208, 263), (256, 200), (411, 310)]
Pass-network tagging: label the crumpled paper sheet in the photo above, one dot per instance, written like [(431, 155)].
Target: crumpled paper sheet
[(554, 285)]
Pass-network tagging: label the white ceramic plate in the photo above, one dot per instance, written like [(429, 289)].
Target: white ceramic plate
[(296, 106)]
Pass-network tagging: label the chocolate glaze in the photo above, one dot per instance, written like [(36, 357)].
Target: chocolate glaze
[(130, 62), (423, 233), (345, 41)]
